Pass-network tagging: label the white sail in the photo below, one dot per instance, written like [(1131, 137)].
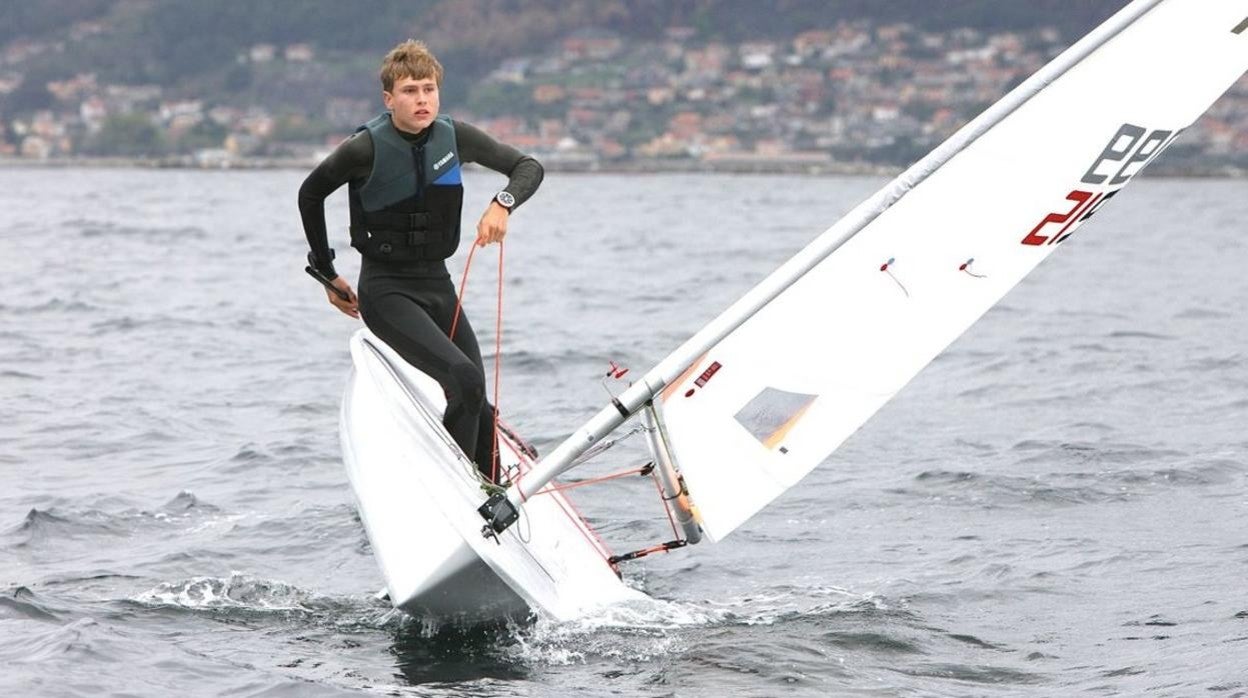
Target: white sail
[(774, 397)]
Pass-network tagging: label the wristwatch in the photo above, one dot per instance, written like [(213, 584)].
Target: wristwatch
[(505, 199)]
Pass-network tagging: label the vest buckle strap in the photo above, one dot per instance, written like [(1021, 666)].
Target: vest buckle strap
[(419, 221), (402, 222)]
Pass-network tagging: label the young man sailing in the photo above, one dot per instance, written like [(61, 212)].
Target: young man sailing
[(403, 175)]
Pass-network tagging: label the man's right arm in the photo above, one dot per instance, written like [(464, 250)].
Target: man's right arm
[(353, 159)]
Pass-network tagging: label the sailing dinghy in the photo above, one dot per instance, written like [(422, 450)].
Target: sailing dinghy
[(417, 496), (762, 394)]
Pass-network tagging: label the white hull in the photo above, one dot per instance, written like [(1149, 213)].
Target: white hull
[(417, 497)]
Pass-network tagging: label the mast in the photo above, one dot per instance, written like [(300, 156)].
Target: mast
[(636, 396)]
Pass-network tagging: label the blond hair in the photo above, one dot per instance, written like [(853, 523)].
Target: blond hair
[(410, 59)]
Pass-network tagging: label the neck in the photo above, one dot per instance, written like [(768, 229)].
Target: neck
[(409, 135)]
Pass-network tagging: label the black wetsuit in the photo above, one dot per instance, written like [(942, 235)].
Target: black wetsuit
[(410, 305)]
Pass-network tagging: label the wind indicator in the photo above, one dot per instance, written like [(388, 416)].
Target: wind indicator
[(885, 268), (966, 267)]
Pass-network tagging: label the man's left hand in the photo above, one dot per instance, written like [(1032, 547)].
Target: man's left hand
[(493, 225)]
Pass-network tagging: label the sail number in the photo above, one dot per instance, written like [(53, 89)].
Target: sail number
[(1131, 148)]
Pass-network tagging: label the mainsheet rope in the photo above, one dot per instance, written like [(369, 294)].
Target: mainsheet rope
[(586, 532), (498, 361), (498, 340), (494, 465)]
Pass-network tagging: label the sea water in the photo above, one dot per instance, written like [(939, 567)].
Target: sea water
[(1057, 505)]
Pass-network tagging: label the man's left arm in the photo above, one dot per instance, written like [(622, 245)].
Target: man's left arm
[(524, 176)]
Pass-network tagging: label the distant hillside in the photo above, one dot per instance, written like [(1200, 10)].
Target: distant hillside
[(163, 42), (587, 83), (20, 20)]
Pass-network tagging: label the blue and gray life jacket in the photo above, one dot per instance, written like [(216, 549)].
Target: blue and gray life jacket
[(408, 208)]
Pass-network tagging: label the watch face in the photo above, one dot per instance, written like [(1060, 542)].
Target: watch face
[(505, 198)]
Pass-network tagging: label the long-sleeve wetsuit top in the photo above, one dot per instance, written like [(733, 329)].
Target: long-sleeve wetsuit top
[(353, 161)]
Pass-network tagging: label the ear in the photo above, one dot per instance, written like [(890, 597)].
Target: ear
[(388, 99)]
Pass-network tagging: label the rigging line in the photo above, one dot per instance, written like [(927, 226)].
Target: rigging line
[(602, 446), (524, 461), (587, 532), (498, 340), (525, 537), (463, 285), (593, 481), (660, 548), (498, 361), (570, 511), (575, 516)]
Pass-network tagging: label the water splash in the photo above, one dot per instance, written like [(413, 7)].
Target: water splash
[(650, 628), (238, 591)]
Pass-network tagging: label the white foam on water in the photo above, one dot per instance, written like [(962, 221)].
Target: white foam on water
[(650, 628), (236, 591)]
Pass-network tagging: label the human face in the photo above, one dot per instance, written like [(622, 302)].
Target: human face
[(413, 103)]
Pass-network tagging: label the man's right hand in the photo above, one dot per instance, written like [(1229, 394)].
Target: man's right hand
[(351, 306)]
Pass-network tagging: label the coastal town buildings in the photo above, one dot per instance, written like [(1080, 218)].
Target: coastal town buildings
[(853, 96)]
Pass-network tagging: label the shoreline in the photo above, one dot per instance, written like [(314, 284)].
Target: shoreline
[(640, 167), (646, 166)]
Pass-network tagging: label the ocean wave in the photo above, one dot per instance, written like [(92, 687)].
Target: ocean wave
[(51, 305), (77, 639), (250, 455), (127, 323), (1092, 453), (984, 490), (872, 641), (332, 527), (93, 229), (971, 673), (21, 603), (1215, 363), (1209, 472), (1117, 474), (1201, 314), (40, 525), (1140, 334), (57, 524)]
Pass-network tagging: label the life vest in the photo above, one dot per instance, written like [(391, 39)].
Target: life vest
[(408, 208)]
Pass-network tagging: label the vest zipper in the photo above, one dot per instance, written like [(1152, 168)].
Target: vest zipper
[(418, 154)]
